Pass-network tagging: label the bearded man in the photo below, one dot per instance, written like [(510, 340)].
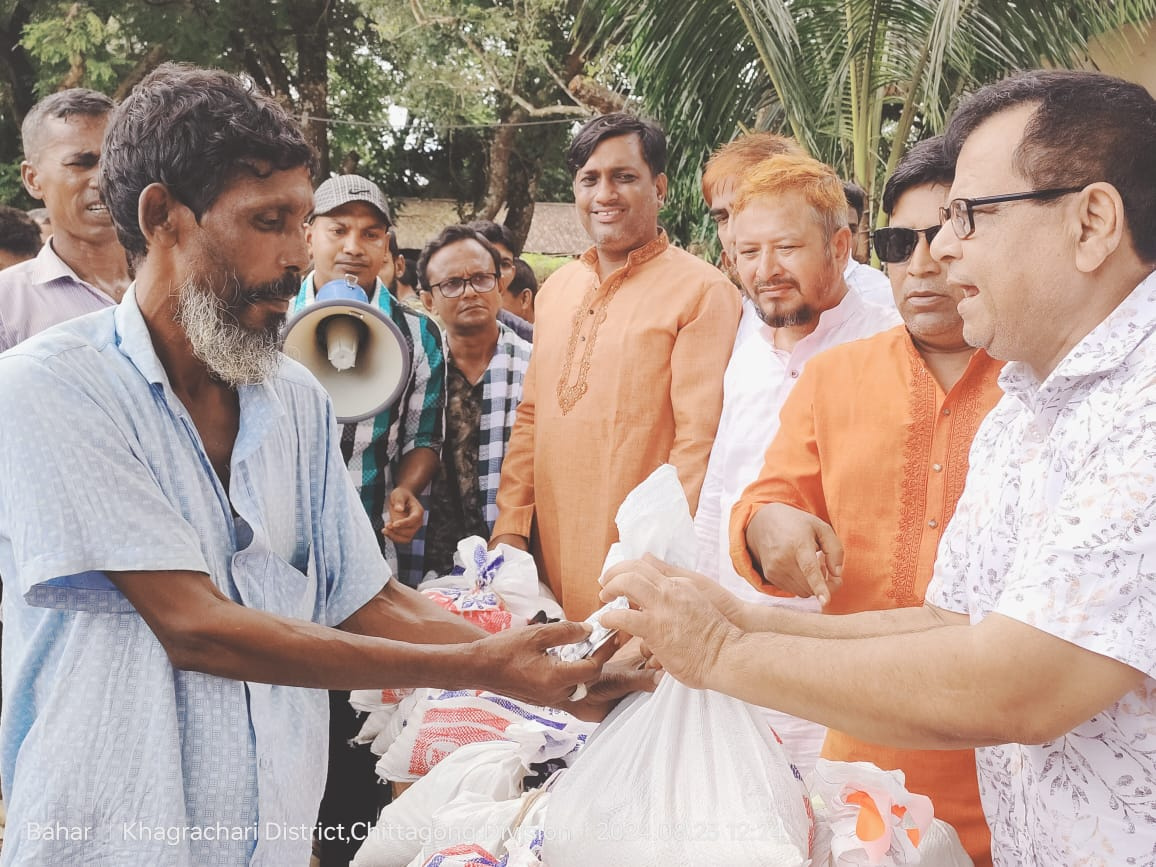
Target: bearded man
[(186, 561)]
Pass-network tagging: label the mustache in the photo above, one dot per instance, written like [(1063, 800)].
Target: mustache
[(284, 287), (782, 281)]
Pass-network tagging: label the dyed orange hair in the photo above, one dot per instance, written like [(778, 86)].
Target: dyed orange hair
[(816, 182), (736, 158)]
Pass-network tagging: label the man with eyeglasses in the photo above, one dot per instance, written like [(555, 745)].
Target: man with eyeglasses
[(1036, 641), (871, 456), (392, 457), (459, 274)]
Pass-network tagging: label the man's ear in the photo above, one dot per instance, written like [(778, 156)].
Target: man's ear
[(426, 299), (160, 216), (660, 184), (841, 246), (31, 181), (1100, 210)]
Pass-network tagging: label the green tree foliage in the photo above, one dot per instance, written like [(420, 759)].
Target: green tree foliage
[(855, 81), (488, 81)]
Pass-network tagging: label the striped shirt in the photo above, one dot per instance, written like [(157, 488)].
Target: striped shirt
[(374, 447), (40, 293)]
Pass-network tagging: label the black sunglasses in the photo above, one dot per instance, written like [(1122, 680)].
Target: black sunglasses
[(893, 244)]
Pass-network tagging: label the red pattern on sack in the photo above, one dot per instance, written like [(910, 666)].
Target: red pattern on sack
[(444, 730)]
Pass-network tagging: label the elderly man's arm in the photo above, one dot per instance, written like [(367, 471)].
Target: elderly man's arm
[(935, 682), (202, 630)]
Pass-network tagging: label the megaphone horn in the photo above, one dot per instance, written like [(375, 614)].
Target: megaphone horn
[(355, 350)]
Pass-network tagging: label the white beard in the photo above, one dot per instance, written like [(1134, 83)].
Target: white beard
[(233, 354)]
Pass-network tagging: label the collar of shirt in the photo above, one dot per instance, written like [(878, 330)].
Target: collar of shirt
[(640, 256), (1103, 349), (382, 297), (49, 267), (259, 405)]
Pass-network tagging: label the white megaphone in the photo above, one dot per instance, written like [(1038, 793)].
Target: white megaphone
[(354, 349)]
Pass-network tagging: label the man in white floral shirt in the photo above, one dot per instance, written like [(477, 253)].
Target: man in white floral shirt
[(1038, 642)]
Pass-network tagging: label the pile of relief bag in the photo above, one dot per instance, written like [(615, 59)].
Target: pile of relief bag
[(674, 777)]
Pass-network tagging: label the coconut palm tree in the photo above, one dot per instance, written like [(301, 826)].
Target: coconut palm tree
[(854, 81)]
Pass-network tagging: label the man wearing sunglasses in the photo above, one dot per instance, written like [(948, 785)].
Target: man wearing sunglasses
[(1037, 641), (871, 456), (460, 277)]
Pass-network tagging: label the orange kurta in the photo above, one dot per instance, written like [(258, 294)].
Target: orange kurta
[(626, 375), (870, 444)]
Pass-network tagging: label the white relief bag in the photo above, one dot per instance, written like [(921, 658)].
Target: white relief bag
[(680, 776)]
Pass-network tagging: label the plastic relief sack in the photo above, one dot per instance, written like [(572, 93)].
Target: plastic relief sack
[(381, 705), (435, 812), (493, 589), (444, 721), (867, 817), (680, 776)]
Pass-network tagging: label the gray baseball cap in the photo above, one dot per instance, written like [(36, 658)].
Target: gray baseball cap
[(343, 189)]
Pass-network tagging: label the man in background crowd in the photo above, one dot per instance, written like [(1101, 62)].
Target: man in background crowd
[(486, 364), (508, 250), (790, 244), (393, 456), (627, 374), (82, 267), (19, 237)]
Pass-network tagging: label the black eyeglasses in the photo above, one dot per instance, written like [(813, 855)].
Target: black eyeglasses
[(894, 244), (455, 286), (961, 212)]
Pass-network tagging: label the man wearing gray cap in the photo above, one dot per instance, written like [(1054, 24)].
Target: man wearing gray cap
[(392, 456)]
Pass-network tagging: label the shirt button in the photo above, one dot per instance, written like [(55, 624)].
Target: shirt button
[(937, 467), (933, 523), (591, 312), (265, 763), (947, 410), (794, 374)]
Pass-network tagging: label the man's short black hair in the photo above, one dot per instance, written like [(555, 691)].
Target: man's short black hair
[(74, 102), (451, 235), (524, 278), (496, 233), (1087, 127), (856, 197), (193, 130), (19, 233), (596, 131), (926, 163)]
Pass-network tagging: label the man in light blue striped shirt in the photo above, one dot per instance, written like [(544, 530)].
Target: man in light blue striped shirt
[(187, 565)]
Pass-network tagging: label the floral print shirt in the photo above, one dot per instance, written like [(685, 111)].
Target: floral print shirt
[(1055, 530)]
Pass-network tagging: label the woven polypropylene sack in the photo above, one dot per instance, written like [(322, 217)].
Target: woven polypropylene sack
[(680, 777)]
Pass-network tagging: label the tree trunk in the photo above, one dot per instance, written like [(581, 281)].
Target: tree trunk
[(501, 150), (15, 65), (521, 196), (310, 21)]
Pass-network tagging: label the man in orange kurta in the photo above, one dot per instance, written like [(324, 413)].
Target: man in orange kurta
[(630, 346), (874, 445)]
